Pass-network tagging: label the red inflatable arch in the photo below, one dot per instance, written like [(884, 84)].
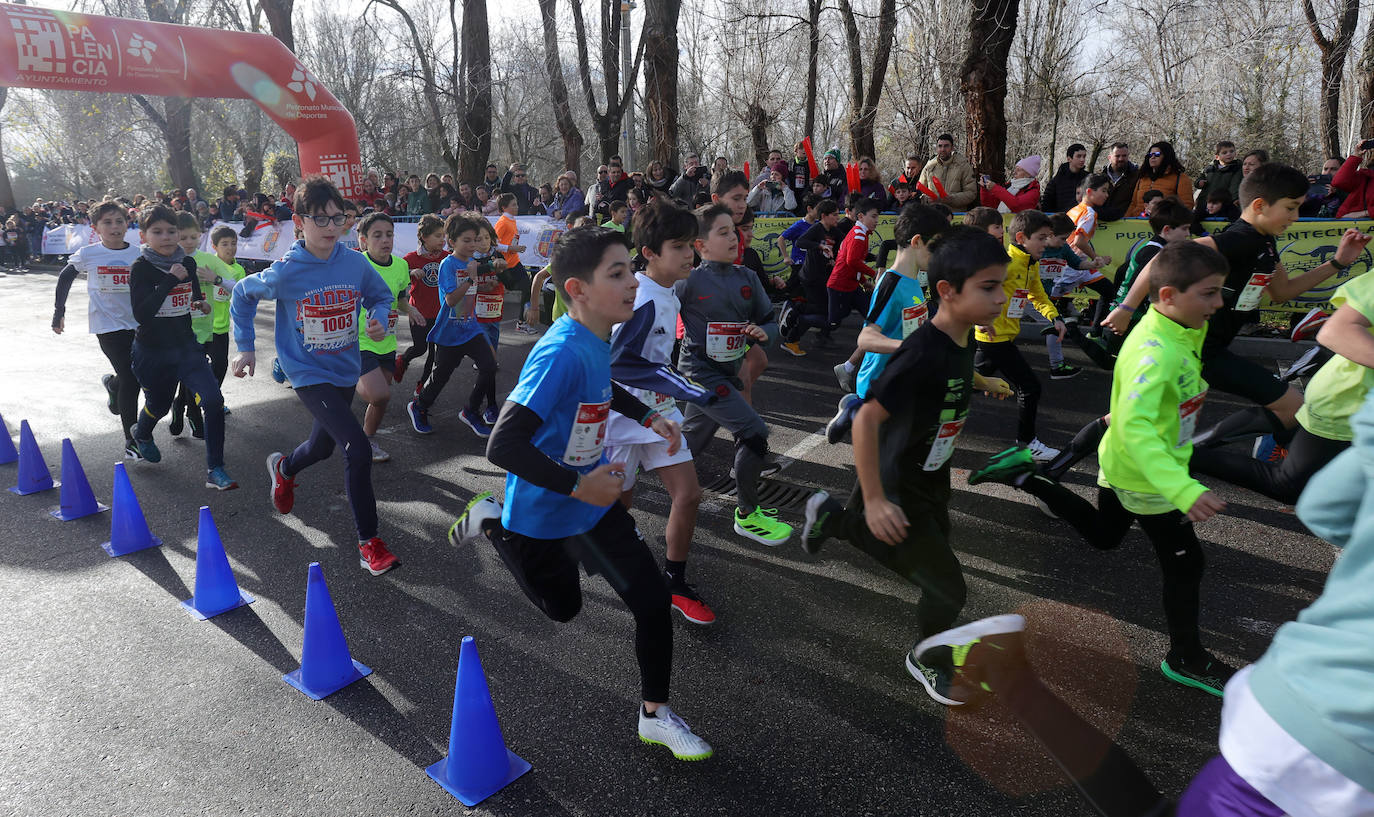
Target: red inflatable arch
[(67, 51)]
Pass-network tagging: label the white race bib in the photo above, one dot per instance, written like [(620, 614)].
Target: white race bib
[(112, 279), (1052, 268), (489, 306), (1250, 296), (912, 318), (1017, 305), (391, 322), (943, 446), (1188, 412), (725, 341), (222, 294), (588, 434), (177, 302), (329, 326)]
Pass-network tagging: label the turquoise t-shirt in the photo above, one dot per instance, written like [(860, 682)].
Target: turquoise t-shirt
[(900, 307)]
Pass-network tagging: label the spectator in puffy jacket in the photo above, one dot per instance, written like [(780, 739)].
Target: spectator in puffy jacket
[(771, 194), (1357, 182), (694, 179), (954, 173), (1323, 198), (1021, 193), (1162, 171), (1061, 193), (568, 202), (1121, 172), (832, 175)]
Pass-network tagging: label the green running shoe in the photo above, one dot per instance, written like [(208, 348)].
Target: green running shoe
[(946, 666), (763, 527), (1204, 672), (1005, 467)]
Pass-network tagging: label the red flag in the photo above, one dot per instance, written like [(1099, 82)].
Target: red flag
[(851, 174), (810, 158), (747, 174), (926, 191), (939, 188)]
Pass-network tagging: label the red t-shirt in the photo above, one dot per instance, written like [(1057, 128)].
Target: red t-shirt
[(424, 274), (849, 267)]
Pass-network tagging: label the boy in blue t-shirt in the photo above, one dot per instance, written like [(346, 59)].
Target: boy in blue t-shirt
[(562, 497)]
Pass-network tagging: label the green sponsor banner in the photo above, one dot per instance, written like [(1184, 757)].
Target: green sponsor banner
[(1307, 244)]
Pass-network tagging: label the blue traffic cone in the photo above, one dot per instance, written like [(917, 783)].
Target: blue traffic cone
[(326, 666), (34, 475), (7, 452), (128, 529), (216, 590), (78, 499), (478, 763)]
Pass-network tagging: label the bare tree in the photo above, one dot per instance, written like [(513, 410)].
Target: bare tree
[(606, 124), (658, 40), (474, 90), (1333, 51), (558, 89), (863, 101), (983, 78)]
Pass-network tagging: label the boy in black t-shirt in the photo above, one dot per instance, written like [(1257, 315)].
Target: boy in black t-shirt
[(904, 437)]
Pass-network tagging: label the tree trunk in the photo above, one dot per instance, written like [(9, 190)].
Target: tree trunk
[(1333, 52), (659, 41), (607, 125), (278, 13), (863, 102), (558, 90), (983, 81), (1366, 74), (175, 127), (758, 120), (813, 52), (474, 129)]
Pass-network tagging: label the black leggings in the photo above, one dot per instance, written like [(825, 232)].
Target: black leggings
[(814, 313), (335, 423), (1105, 290), (448, 358), (923, 558), (546, 571), (419, 345), (217, 349), (1006, 358), (118, 347), (1175, 542), (1307, 454), (163, 371)]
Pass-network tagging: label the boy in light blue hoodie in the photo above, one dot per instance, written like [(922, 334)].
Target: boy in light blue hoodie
[(319, 286)]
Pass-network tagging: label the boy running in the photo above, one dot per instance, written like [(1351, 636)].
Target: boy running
[(722, 310), (376, 235), (110, 313), (562, 496), (641, 360), (318, 288), (904, 437)]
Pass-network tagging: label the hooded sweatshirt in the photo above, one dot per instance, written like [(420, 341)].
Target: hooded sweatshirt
[(317, 312)]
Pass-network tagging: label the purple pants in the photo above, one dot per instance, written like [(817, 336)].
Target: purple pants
[(1217, 791)]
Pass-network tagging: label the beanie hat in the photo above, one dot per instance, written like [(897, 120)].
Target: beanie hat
[(834, 152), (1030, 164)]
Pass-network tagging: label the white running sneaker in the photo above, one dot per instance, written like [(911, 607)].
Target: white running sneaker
[(667, 729), (468, 527), (1041, 452), (378, 455)]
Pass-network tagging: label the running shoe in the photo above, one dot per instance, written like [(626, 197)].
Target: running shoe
[(1096, 350), (378, 455), (131, 452), (219, 479), (953, 664), (1063, 371), (1203, 672), (763, 527), (467, 528), (283, 491), (843, 420), (1005, 467), (794, 349), (226, 410), (178, 421), (787, 318), (1041, 452), (524, 328), (686, 601), (1306, 329), (375, 558), (419, 418), (147, 449), (491, 415), (399, 370), (665, 728), (845, 377), (1045, 508), (277, 373), (474, 422), (819, 508), (111, 384), (1267, 450)]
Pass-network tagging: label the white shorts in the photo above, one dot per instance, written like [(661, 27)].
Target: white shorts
[(648, 456)]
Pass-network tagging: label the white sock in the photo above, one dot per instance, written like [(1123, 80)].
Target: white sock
[(848, 367)]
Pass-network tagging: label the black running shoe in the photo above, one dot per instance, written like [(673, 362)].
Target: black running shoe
[(111, 384), (178, 421), (1202, 672)]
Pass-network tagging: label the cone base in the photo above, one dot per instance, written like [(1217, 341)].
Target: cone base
[(6, 460), (67, 516), (471, 796), (26, 491), (118, 550), (245, 598), (294, 679)]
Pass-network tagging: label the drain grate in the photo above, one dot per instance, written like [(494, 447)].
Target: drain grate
[(773, 493)]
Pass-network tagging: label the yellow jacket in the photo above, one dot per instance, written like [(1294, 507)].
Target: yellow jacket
[(1022, 286)]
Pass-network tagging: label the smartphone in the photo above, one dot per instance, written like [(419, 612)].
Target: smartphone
[(986, 178)]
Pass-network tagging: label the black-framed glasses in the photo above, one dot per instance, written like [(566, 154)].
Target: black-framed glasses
[(324, 221)]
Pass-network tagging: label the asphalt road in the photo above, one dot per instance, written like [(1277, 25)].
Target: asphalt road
[(119, 703)]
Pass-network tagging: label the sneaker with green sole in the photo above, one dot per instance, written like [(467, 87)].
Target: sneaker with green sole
[(940, 661), (1204, 672), (1005, 467), (763, 527)]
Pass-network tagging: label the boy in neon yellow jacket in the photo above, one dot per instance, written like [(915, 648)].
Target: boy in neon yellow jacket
[(997, 352), (1157, 396)]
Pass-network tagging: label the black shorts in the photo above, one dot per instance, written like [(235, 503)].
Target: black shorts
[(1227, 371), (376, 360)]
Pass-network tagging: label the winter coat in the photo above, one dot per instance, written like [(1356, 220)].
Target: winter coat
[(1002, 199), (1358, 183), (1061, 193), (1170, 184), (1119, 194), (1215, 177), (956, 174)]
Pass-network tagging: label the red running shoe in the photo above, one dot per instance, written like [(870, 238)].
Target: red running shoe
[(375, 558), (1306, 328), (686, 601), (400, 370), (283, 487)]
